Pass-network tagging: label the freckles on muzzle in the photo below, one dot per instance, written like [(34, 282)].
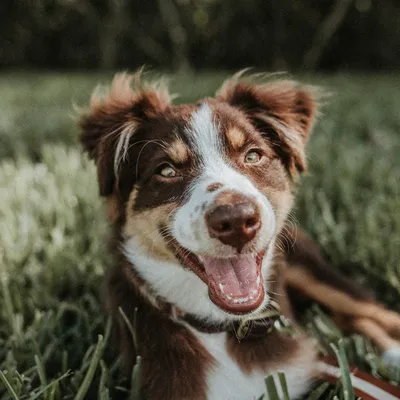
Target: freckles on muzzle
[(233, 219)]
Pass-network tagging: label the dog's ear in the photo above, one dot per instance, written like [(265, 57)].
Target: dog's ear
[(282, 111), (111, 121)]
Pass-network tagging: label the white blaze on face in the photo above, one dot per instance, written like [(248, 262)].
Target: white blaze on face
[(189, 225)]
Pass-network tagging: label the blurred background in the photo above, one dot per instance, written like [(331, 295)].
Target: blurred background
[(53, 233), (187, 35)]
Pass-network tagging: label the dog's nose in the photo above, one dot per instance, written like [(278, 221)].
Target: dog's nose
[(234, 224)]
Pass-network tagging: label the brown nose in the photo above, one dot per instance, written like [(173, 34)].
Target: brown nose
[(234, 224)]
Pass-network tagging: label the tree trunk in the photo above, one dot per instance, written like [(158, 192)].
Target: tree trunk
[(325, 32), (279, 33), (177, 34), (113, 27)]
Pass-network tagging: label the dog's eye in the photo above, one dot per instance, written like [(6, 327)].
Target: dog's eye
[(167, 171), (252, 157)]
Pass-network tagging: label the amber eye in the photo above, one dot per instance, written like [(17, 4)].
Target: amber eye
[(167, 171), (252, 157)]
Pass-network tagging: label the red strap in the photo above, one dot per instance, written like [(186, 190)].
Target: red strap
[(366, 386)]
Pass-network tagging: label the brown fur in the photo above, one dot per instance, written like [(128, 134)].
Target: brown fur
[(156, 335), (214, 186), (270, 352)]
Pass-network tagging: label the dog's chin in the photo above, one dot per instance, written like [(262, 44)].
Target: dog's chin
[(235, 284)]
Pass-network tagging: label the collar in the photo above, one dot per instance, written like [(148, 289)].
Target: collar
[(253, 327)]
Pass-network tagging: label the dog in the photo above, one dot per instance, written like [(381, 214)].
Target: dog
[(207, 271)]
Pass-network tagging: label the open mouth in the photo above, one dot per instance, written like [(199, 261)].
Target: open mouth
[(234, 284)]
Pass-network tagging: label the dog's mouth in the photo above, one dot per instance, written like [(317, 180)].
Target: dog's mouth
[(234, 284)]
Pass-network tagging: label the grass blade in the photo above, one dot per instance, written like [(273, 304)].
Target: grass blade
[(285, 390), (91, 370), (271, 388), (64, 362), (103, 391), (317, 393), (132, 329), (8, 386), (40, 370), (345, 370), (135, 381), (50, 385)]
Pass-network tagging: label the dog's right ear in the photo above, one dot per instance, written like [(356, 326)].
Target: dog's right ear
[(111, 121)]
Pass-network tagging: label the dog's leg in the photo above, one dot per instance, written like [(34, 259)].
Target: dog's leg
[(310, 276), (302, 251), (389, 347), (340, 302), (353, 315)]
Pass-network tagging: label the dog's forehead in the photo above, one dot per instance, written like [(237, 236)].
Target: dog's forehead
[(207, 126)]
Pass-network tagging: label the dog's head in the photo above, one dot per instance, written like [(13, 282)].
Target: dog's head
[(201, 191)]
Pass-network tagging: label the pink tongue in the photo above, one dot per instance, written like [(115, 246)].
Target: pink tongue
[(233, 276)]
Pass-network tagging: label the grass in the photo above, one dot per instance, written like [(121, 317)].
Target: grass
[(54, 335)]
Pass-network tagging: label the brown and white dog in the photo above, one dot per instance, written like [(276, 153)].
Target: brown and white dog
[(199, 196)]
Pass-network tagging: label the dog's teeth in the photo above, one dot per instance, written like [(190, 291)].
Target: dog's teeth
[(241, 300), (258, 281), (221, 287), (228, 297)]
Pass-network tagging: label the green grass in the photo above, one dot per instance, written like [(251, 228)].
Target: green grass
[(54, 335)]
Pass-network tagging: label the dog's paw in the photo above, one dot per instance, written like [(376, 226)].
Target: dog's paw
[(390, 321), (391, 357)]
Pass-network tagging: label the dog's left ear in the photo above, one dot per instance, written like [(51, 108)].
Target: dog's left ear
[(282, 111)]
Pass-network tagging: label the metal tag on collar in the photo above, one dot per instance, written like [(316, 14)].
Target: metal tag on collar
[(273, 311), (283, 325), (243, 329)]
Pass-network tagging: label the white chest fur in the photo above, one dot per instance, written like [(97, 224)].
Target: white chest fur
[(226, 381)]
